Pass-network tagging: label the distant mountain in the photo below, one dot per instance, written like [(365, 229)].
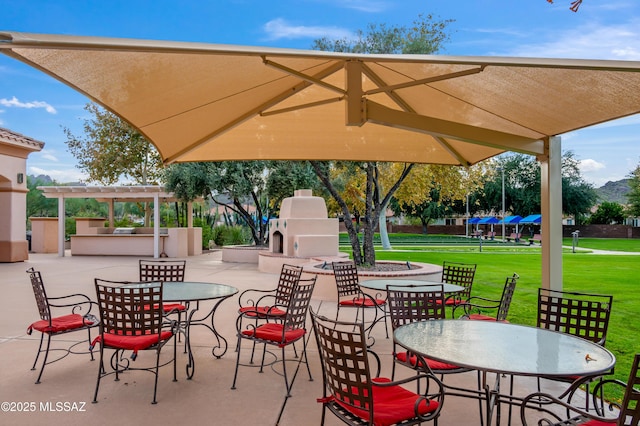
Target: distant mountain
[(615, 192), (46, 180)]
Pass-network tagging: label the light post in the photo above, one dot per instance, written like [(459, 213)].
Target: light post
[(501, 169)]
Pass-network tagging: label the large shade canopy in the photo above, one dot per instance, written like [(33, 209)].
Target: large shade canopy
[(511, 220), (201, 102), (488, 220), (207, 102), (532, 218)]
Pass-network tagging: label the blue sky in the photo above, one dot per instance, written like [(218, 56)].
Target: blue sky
[(38, 106)]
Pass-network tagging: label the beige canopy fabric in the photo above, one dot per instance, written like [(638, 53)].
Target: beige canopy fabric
[(201, 102), (206, 102)]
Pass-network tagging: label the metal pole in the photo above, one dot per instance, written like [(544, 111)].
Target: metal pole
[(466, 226), (503, 212)]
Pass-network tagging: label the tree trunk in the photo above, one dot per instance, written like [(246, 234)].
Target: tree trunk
[(348, 223)]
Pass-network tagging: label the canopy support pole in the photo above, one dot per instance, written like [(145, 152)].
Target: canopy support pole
[(551, 209)]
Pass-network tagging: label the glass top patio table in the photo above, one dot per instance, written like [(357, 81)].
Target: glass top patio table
[(423, 285), (505, 348), (189, 291)]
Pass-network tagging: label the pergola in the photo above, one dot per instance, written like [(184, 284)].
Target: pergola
[(208, 102), (111, 194)]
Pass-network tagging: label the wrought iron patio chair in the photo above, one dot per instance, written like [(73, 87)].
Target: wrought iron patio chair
[(476, 307), (131, 319), (165, 271), (461, 274), (412, 303), (270, 303), (73, 313), (579, 314), (351, 295), (628, 413), (353, 390), (266, 302), (282, 333)]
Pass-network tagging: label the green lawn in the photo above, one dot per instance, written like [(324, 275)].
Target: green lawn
[(617, 275)]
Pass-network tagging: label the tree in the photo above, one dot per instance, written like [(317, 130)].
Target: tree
[(37, 204), (425, 36), (634, 194), (111, 149), (284, 177), (608, 213), (522, 187), (233, 184), (434, 191)]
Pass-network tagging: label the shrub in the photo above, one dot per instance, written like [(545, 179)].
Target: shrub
[(225, 235)]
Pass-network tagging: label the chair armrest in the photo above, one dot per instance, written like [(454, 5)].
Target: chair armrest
[(79, 303), (251, 296), (469, 306)]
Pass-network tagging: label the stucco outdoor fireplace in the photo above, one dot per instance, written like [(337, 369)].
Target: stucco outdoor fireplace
[(302, 231)]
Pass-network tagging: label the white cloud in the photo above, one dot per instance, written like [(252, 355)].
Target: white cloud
[(590, 165), (594, 41), (279, 29), (14, 102), (48, 154)]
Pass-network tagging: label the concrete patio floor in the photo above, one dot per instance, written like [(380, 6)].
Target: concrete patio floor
[(206, 399)]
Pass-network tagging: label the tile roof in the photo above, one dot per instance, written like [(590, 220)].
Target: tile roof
[(10, 137)]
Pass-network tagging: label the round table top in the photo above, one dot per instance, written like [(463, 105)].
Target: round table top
[(505, 348), (423, 285), (188, 291)]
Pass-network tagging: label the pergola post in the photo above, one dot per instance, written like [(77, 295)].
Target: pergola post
[(61, 226), (156, 225), (551, 210)]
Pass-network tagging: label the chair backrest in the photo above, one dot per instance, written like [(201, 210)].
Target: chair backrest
[(298, 306), (342, 347), (579, 314), (289, 277), (408, 304), (461, 274), (630, 409), (507, 296), (162, 270), (130, 309), (346, 274), (40, 294)]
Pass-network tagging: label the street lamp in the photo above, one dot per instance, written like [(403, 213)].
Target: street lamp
[(501, 169)]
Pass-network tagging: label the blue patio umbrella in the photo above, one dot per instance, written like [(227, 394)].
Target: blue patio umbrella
[(473, 220)]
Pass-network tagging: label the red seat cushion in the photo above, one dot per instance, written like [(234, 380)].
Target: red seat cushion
[(134, 343), (363, 301), (480, 317), (391, 405), (58, 324), (262, 311), (273, 333), (433, 364), (168, 307), (596, 423)]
